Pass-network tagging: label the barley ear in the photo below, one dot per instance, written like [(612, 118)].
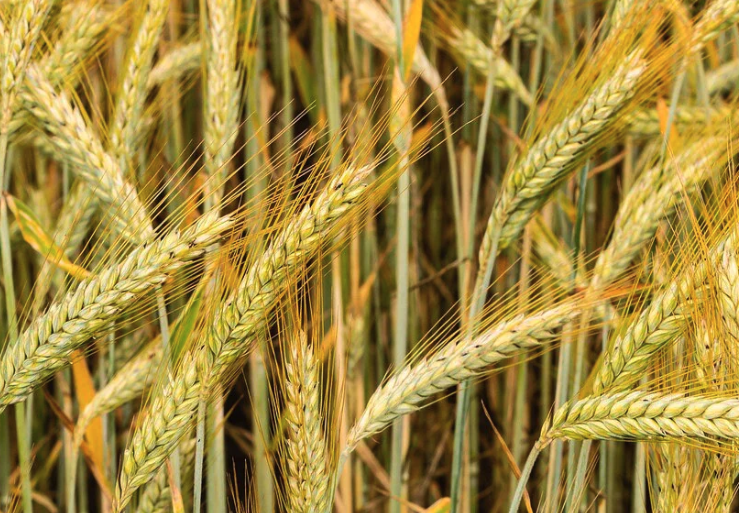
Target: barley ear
[(306, 464), (407, 389), (72, 138), (132, 93), (236, 322), (550, 160), (221, 95), (48, 344), (647, 416)]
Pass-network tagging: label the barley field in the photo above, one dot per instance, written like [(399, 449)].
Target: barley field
[(405, 256)]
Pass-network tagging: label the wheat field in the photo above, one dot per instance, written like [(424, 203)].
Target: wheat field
[(405, 256)]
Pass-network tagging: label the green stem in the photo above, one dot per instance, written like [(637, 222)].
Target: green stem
[(525, 475), (400, 332), (24, 443), (674, 99), (582, 335), (216, 475), (261, 432), (465, 391), (197, 491), (287, 92), (400, 340)]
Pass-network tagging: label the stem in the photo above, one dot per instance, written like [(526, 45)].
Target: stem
[(479, 294), (197, 494), (674, 96), (24, 443), (465, 398), (525, 475), (287, 93), (329, 55), (260, 429), (400, 340), (164, 329), (582, 334)]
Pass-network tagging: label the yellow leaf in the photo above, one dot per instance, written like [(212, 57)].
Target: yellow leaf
[(443, 505), (38, 239), (85, 391), (411, 33), (178, 505)]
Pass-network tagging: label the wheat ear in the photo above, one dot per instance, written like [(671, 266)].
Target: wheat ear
[(372, 22), (87, 23), (551, 159), (236, 321), (723, 78), (513, 12), (473, 51), (221, 95), (554, 256), (728, 288), (244, 313), (646, 416), (71, 137), (408, 388), (645, 123), (627, 360), (176, 63), (127, 384), (307, 472), (672, 479), (132, 93), (715, 18), (166, 422), (18, 44), (157, 496), (621, 10), (47, 345), (652, 198)]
